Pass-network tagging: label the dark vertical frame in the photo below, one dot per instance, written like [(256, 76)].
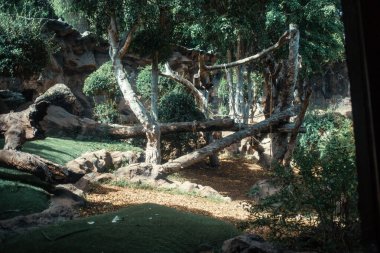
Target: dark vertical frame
[(362, 47)]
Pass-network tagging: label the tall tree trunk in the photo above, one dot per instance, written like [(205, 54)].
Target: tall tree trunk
[(154, 95), (249, 102), (231, 90), (285, 95), (153, 133), (239, 96)]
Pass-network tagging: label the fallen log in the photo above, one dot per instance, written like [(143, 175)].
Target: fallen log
[(43, 169), (199, 154), (161, 171), (59, 122)]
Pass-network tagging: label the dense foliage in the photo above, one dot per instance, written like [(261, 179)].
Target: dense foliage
[(103, 83), (178, 106), (319, 200), (24, 50)]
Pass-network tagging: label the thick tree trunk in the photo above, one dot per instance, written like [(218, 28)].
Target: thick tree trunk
[(42, 168), (153, 150), (154, 96), (285, 94), (200, 154)]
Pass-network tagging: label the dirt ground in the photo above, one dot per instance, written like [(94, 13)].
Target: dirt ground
[(233, 178)]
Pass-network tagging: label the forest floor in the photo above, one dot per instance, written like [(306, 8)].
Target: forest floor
[(233, 178)]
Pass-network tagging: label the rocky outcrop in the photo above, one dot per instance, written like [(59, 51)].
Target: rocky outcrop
[(104, 161), (79, 54), (252, 243)]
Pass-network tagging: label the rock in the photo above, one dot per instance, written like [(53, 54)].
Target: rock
[(248, 244), (262, 189), (208, 191), (102, 161), (138, 170), (187, 187)]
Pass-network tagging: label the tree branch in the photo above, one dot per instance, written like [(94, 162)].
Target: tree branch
[(281, 41), (201, 100), (295, 131), (128, 40)]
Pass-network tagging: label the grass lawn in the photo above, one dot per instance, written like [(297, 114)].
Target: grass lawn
[(140, 229), (17, 198), (20, 199)]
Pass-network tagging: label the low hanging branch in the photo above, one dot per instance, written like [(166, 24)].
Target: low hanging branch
[(281, 41), (201, 100), (200, 154)]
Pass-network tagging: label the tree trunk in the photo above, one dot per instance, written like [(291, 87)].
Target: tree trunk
[(154, 95), (153, 133), (249, 102), (152, 129), (239, 96), (42, 168), (285, 94), (231, 90)]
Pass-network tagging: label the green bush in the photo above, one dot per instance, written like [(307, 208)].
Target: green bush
[(144, 83), (102, 82), (178, 106), (106, 113), (318, 199), (24, 50)]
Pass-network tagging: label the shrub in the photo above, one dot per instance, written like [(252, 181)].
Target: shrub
[(106, 113), (24, 50), (144, 80), (318, 199), (178, 106), (102, 82)]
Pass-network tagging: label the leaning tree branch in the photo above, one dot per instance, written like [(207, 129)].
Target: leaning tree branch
[(281, 41), (128, 40), (295, 131), (200, 154), (189, 85)]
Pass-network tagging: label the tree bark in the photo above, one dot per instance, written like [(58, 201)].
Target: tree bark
[(285, 92), (154, 95), (295, 131), (231, 90), (44, 169), (239, 96), (153, 133)]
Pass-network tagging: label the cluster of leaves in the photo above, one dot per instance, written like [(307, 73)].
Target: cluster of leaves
[(102, 82), (144, 81), (76, 18), (318, 201), (24, 50), (178, 106)]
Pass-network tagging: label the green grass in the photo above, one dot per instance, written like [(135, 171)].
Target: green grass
[(142, 229), (21, 199)]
